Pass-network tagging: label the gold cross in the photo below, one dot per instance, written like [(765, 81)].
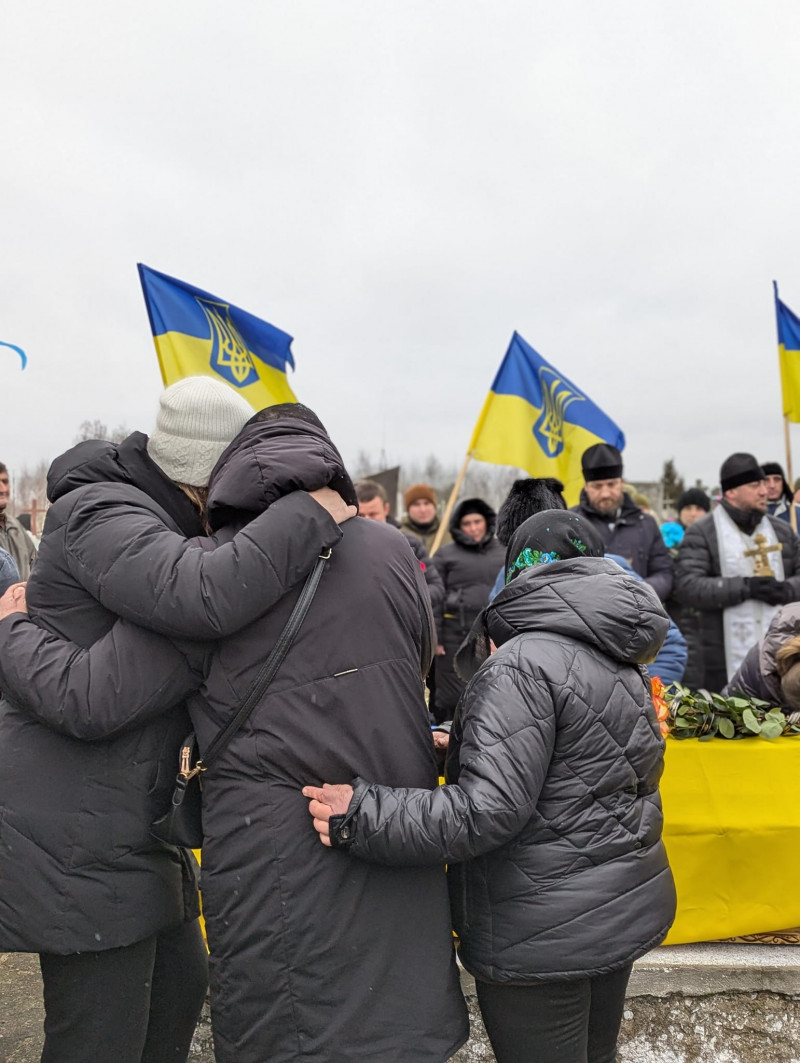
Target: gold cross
[(761, 566)]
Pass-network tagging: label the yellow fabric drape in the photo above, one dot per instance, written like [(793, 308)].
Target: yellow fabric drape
[(732, 832)]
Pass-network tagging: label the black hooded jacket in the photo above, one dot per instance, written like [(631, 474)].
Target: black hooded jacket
[(468, 570), (553, 831), (79, 870)]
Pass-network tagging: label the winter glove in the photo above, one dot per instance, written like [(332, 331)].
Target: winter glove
[(769, 590)]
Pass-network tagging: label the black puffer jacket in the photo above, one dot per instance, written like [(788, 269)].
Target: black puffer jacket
[(757, 676), (468, 570), (699, 584), (433, 579), (553, 831), (78, 868), (636, 537)]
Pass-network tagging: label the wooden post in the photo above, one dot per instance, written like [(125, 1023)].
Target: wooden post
[(34, 517), (437, 542), (789, 474)]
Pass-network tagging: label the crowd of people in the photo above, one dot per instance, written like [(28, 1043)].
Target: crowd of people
[(515, 646)]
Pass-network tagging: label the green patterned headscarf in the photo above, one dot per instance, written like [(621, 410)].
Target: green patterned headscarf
[(553, 535)]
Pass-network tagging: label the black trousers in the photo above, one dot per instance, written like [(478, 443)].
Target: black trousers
[(555, 1022), (137, 1004)]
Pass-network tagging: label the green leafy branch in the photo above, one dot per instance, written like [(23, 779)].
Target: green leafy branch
[(703, 715)]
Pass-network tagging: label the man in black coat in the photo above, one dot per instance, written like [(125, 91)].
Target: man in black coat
[(374, 505), (716, 582), (625, 529)]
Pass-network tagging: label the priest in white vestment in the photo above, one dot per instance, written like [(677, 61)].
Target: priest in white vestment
[(735, 568)]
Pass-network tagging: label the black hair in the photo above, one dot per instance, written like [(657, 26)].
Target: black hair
[(283, 410)]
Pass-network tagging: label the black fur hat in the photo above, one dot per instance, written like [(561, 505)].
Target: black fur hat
[(525, 498), (771, 468)]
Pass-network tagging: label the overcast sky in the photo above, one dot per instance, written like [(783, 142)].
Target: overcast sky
[(400, 185)]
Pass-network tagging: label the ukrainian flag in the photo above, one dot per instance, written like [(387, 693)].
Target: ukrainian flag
[(538, 420), (197, 334), (789, 357)]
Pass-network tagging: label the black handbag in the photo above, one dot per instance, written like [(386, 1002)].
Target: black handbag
[(182, 823)]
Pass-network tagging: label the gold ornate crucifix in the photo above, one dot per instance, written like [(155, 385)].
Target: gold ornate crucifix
[(761, 565)]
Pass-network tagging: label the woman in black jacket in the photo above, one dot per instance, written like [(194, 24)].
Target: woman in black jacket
[(468, 566), (551, 819), (111, 912)]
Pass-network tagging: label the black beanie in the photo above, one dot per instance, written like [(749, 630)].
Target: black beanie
[(693, 497), (525, 498), (739, 469), (601, 462)]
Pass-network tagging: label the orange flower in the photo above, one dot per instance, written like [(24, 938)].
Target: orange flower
[(660, 705)]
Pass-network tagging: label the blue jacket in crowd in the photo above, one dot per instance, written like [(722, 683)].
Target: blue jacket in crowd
[(8, 571)]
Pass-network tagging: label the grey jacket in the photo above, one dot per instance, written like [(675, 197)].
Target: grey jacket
[(757, 676), (553, 827)]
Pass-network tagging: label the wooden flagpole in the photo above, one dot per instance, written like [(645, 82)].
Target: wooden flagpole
[(445, 520), (789, 474)]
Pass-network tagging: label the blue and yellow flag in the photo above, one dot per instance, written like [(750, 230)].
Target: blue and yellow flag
[(538, 420), (197, 334), (789, 357)]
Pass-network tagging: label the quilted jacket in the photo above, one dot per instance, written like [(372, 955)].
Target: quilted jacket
[(757, 676), (551, 819)]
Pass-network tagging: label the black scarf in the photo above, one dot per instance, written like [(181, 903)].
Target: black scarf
[(746, 519)]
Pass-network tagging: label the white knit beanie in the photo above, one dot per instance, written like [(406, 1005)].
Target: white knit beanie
[(197, 419)]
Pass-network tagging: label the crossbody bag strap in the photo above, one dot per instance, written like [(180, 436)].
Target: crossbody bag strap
[(269, 668)]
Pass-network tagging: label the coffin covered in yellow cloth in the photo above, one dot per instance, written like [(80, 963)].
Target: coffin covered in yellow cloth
[(732, 832)]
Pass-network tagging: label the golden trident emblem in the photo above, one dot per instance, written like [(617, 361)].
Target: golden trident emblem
[(556, 397), (228, 349)]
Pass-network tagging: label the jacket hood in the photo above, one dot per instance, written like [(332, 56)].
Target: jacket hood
[(270, 459), (785, 625), (472, 505), (98, 461), (586, 598), (93, 461)]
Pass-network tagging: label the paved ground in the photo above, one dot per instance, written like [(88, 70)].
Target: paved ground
[(687, 1004), (20, 1009)]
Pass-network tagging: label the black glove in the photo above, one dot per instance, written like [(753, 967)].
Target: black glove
[(769, 590)]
